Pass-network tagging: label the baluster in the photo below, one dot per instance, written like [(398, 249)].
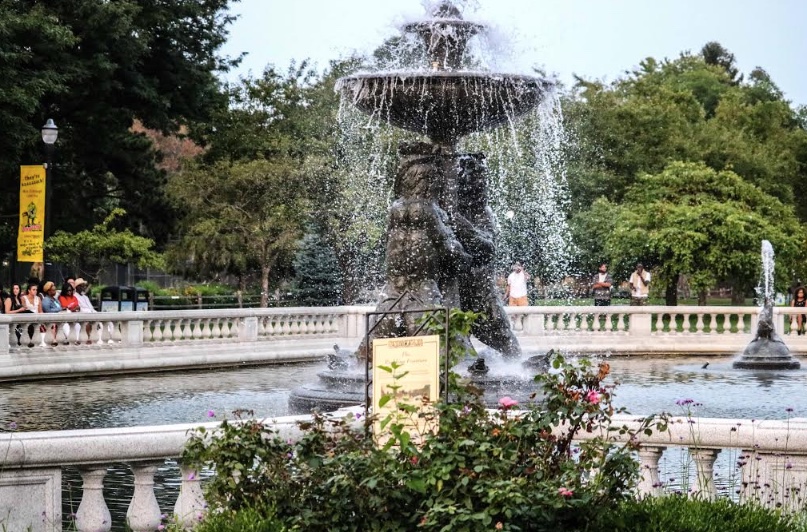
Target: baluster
[(158, 331), (148, 335), (186, 329), (190, 504), (295, 324), (93, 514), (705, 469), (207, 328), (176, 330), (686, 325), (699, 323), (215, 328), (114, 335), (320, 325), (43, 334), (650, 484), (196, 328), (143, 514), (286, 326)]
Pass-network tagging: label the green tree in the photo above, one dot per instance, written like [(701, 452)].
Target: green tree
[(687, 109), (690, 219), (317, 279), (95, 67), (241, 214), (89, 252)]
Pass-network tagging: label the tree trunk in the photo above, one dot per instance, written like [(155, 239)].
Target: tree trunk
[(702, 294), (671, 293), (737, 296), (265, 269)]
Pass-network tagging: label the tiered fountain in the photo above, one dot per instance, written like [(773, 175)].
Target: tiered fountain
[(440, 229)]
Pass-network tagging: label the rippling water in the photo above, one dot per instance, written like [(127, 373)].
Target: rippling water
[(647, 386)]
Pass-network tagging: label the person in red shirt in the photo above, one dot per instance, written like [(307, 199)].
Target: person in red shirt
[(69, 302)]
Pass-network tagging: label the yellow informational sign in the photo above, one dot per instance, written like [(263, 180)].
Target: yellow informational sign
[(31, 235), (406, 371)]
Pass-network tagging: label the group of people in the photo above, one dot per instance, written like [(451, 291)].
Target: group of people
[(601, 284), (639, 282), (43, 297)]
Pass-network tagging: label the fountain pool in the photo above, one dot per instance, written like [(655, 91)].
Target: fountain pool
[(647, 385)]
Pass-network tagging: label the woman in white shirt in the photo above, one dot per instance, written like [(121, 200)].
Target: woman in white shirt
[(32, 303)]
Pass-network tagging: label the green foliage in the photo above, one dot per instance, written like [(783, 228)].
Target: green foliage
[(317, 279), (239, 215), (512, 470), (243, 520), (690, 219), (681, 514), (693, 109), (94, 67), (89, 252)]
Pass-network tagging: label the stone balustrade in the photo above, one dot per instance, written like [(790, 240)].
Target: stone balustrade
[(56, 345), (769, 458)]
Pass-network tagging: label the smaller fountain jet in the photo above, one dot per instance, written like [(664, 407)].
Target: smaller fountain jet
[(767, 350)]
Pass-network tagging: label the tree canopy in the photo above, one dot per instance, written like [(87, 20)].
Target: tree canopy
[(95, 67)]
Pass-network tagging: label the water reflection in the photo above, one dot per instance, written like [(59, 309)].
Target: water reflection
[(150, 399), (654, 385)]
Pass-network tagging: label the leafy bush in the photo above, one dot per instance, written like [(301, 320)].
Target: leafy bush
[(243, 520), (506, 469), (681, 514)]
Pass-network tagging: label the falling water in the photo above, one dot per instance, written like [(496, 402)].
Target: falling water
[(765, 290), (528, 192)]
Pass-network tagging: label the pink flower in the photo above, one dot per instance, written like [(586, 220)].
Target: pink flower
[(507, 402), (565, 492), (210, 413), (593, 397)]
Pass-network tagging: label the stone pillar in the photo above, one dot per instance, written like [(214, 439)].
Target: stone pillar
[(132, 333), (650, 483), (144, 512), (248, 329), (705, 470), (534, 325), (190, 505), (5, 332), (93, 513), (640, 325)]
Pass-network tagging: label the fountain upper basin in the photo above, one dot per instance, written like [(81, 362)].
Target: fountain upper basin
[(445, 105)]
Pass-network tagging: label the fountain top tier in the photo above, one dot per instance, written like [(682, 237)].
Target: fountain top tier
[(447, 102)]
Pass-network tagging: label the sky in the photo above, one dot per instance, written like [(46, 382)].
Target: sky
[(595, 39)]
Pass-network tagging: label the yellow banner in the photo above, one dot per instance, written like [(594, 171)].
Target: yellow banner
[(31, 235)]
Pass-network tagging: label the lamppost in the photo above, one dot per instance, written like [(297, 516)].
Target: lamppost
[(49, 135)]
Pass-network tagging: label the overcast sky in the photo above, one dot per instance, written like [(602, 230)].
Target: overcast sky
[(592, 38)]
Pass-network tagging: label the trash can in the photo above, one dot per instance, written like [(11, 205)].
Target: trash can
[(127, 298), (117, 298), (141, 298)]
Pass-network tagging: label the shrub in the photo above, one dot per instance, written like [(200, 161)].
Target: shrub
[(243, 520), (505, 469), (678, 513)]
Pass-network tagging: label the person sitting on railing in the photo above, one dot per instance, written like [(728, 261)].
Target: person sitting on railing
[(33, 304), (86, 306), (13, 305), (50, 304), (68, 301)]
